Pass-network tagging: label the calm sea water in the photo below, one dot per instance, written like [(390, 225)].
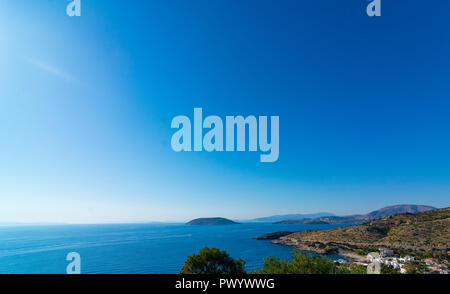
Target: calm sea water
[(133, 248)]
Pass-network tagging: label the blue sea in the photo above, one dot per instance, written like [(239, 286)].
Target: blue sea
[(133, 248)]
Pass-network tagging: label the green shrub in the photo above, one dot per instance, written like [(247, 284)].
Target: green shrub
[(212, 261)]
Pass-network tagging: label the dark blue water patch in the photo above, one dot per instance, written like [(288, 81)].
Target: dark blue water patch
[(133, 248)]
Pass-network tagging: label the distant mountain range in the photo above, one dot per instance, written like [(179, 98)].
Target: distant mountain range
[(279, 218), (211, 221), (360, 218)]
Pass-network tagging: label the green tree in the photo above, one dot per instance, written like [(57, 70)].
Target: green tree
[(212, 261), (413, 268), (389, 270), (353, 268), (301, 263)]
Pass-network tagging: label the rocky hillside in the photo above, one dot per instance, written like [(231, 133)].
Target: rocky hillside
[(418, 232)]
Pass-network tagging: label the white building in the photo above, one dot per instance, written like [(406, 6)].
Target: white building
[(409, 258), (384, 252)]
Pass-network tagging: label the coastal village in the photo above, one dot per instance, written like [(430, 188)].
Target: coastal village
[(388, 258)]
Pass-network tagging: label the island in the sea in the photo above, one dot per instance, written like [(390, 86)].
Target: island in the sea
[(211, 221)]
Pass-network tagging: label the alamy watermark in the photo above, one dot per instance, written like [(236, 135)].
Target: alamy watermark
[(374, 8), (235, 130), (74, 267), (74, 8), (374, 267)]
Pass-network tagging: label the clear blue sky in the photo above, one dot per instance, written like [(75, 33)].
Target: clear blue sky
[(86, 105)]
